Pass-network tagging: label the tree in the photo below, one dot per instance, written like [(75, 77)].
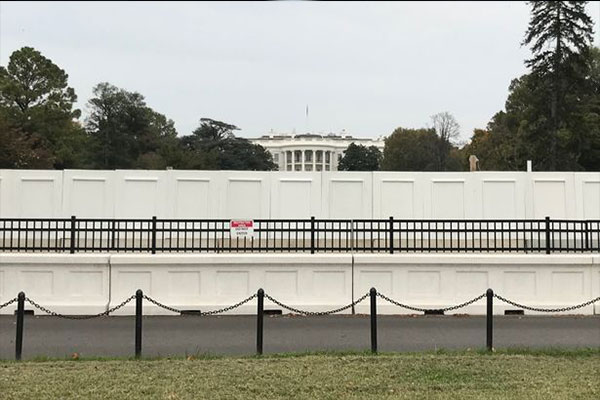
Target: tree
[(36, 100), (411, 150), (214, 146), (126, 133), (18, 150), (360, 158), (448, 130), (560, 35)]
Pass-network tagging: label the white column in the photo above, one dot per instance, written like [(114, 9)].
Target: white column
[(303, 160), (314, 157), (323, 160), (293, 160)]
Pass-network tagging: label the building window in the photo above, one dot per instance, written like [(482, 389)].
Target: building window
[(297, 156), (308, 155), (276, 157), (319, 156), (308, 167), (298, 167), (327, 157)]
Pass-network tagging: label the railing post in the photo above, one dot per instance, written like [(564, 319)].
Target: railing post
[(73, 222), (312, 235), (489, 319), (259, 320), (391, 235), (587, 236), (20, 315), (154, 234), (139, 295), (548, 247), (373, 294), (112, 235)]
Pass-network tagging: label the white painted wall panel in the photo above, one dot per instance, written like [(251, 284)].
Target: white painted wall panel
[(88, 194), (68, 284), (250, 194), (296, 195), (141, 194), (209, 282), (437, 281), (347, 195), (245, 195)]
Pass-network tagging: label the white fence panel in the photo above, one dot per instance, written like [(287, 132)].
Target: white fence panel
[(141, 194), (192, 283), (347, 195), (587, 192), (193, 194), (552, 194), (436, 281), (398, 195), (88, 194), (68, 284), (341, 195), (296, 195), (245, 195)]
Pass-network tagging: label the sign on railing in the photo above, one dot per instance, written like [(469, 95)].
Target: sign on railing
[(241, 229)]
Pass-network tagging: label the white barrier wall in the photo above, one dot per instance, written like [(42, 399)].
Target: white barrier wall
[(68, 284), (252, 194), (437, 281), (192, 282), (90, 284)]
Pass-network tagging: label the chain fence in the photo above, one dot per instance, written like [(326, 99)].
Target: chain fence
[(102, 314), (316, 313), (297, 310), (432, 310), (8, 303), (552, 310), (201, 313)]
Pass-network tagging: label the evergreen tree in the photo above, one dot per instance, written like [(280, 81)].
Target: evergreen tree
[(560, 36)]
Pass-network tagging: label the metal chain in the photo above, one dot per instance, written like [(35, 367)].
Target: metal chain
[(461, 305), (587, 303), (202, 313), (298, 311), (102, 314), (8, 303)]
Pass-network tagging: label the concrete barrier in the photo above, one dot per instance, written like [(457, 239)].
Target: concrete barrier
[(89, 284), (68, 284), (438, 281), (208, 282)]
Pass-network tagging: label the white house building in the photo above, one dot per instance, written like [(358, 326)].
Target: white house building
[(310, 151)]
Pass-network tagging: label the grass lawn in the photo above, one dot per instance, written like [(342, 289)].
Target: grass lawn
[(441, 375)]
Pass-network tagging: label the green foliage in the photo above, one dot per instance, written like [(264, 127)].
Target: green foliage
[(214, 146), (35, 99), (360, 158), (126, 133), (411, 150)]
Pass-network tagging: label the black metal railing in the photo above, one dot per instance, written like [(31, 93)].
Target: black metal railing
[(303, 235)]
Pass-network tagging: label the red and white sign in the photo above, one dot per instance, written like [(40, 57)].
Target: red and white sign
[(241, 228)]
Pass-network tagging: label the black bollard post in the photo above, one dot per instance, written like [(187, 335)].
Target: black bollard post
[(138, 323), (373, 294), (489, 319), (20, 315), (260, 312)]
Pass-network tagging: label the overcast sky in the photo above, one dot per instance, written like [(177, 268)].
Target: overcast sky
[(365, 67)]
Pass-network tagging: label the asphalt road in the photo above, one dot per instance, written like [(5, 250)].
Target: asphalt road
[(186, 335)]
